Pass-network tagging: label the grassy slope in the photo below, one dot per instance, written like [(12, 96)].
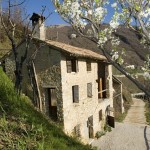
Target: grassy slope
[(22, 127)]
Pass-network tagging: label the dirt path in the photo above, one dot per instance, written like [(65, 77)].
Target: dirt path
[(133, 134), (136, 112)]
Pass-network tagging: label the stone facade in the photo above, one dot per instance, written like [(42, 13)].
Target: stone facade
[(78, 113)]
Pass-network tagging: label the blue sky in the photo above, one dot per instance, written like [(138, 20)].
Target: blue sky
[(36, 6)]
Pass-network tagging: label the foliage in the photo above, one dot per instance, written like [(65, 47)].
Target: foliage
[(107, 128), (99, 134), (120, 117), (23, 127), (147, 113)]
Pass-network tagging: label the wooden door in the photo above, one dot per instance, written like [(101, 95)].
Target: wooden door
[(52, 103), (90, 126)]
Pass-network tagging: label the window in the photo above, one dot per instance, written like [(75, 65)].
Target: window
[(100, 115), (77, 130), (75, 93), (89, 89), (72, 65), (88, 66)]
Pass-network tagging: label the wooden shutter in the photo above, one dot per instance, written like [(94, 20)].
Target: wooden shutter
[(74, 65), (69, 66), (90, 120), (77, 130), (100, 115), (75, 93), (88, 66), (89, 89)]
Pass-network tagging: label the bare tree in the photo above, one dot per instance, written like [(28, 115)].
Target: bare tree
[(11, 25)]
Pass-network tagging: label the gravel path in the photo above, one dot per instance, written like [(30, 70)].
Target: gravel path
[(133, 134)]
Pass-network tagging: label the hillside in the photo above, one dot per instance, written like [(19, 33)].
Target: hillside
[(22, 127), (135, 52)]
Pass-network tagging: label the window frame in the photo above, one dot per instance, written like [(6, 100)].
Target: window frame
[(72, 65)]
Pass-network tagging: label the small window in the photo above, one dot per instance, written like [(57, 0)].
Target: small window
[(88, 66), (72, 65), (77, 131), (100, 115), (75, 93), (89, 89)]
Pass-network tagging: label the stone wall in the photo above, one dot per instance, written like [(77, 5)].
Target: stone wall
[(47, 66)]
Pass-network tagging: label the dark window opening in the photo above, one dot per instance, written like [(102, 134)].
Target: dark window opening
[(88, 66), (75, 93), (100, 115), (89, 89), (102, 80), (72, 65)]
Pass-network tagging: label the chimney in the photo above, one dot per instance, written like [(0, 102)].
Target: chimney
[(38, 26)]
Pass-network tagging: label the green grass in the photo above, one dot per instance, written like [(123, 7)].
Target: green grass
[(147, 113), (23, 127)]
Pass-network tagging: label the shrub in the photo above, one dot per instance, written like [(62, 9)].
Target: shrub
[(99, 134), (107, 128)]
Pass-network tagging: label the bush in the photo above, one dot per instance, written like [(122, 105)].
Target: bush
[(147, 114), (107, 128), (99, 134)]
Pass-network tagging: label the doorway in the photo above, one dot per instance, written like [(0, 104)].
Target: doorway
[(52, 103), (90, 127)]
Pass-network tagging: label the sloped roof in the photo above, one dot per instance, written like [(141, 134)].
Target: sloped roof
[(75, 51), (71, 50)]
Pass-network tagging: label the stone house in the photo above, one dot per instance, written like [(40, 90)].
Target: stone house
[(69, 84)]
